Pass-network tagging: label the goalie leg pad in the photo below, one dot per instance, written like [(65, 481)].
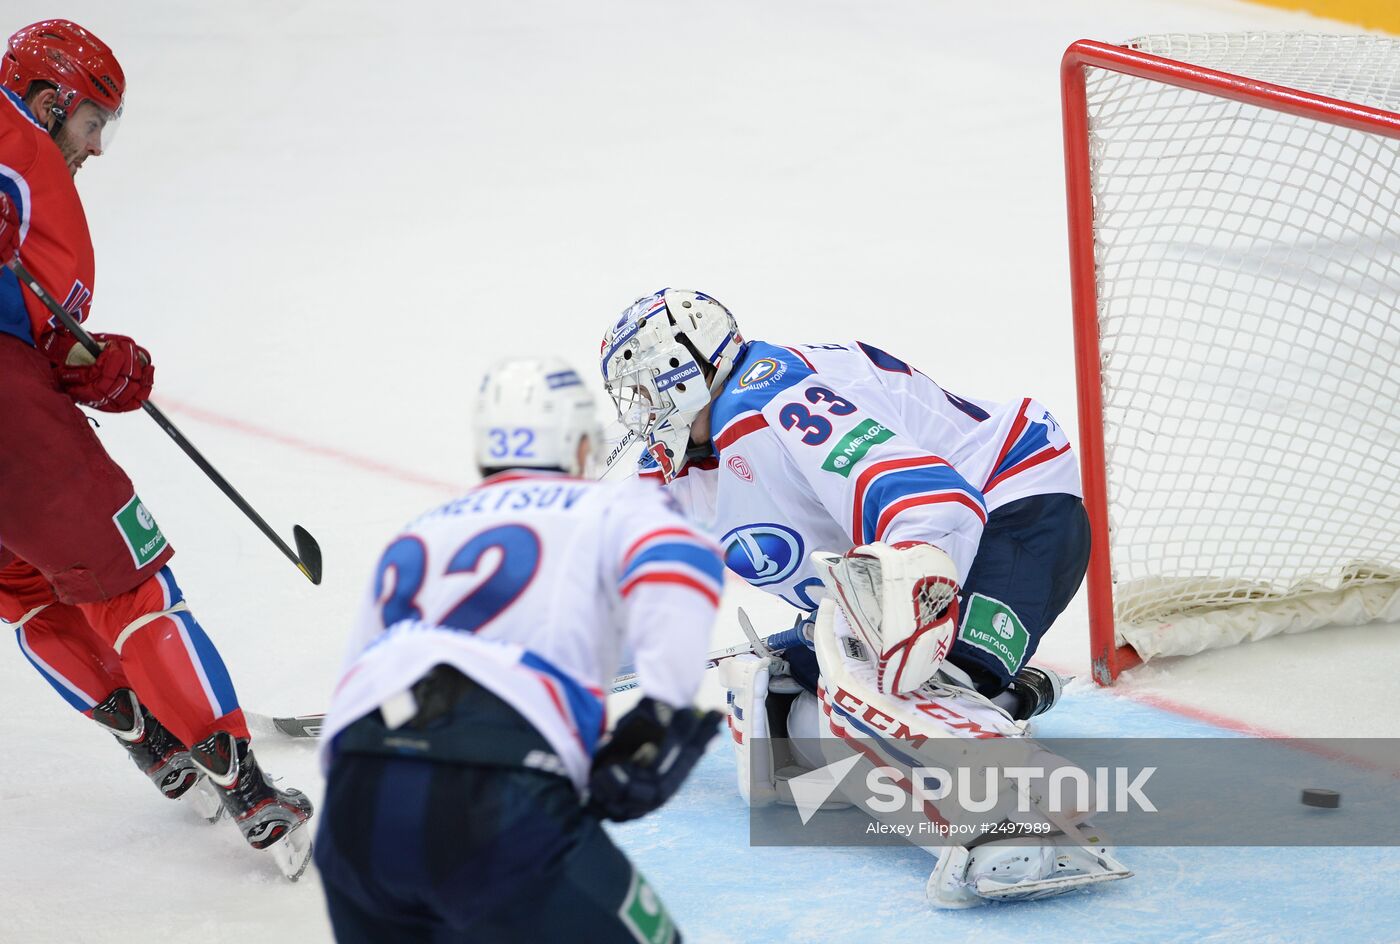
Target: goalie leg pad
[(941, 727), (899, 732), (766, 711), (746, 679)]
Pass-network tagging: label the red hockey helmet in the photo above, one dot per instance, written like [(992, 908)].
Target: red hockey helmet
[(67, 56)]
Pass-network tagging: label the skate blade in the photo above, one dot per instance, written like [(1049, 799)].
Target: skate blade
[(292, 853), (1046, 888), (204, 799)]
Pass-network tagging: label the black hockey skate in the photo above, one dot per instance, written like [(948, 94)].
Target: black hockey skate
[(152, 747), (159, 754), (1036, 690), (269, 818)]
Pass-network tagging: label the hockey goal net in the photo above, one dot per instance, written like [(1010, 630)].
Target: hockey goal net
[(1234, 205)]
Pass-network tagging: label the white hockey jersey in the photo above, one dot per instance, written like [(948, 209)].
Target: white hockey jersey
[(536, 585), (828, 446)]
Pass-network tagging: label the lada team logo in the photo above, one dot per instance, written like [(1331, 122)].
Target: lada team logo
[(763, 553), (740, 467), (760, 371)]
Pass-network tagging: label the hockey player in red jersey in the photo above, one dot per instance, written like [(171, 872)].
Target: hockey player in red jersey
[(84, 575)]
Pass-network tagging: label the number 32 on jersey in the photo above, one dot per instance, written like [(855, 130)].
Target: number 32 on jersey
[(404, 571)]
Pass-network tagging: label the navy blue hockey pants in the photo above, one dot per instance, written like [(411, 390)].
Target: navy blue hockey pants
[(412, 849), (1031, 561)]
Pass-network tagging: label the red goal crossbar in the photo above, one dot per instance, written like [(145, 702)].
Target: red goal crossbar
[(1107, 657)]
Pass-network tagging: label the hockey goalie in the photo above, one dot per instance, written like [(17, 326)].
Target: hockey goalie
[(958, 531)]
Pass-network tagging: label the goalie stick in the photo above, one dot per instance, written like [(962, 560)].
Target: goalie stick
[(307, 556), (309, 726)]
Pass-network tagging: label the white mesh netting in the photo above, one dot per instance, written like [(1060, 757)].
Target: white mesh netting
[(1248, 281)]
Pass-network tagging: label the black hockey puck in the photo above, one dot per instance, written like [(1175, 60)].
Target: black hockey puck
[(1325, 799)]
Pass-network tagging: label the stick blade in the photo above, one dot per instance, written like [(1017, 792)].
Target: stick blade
[(300, 726), (309, 553)]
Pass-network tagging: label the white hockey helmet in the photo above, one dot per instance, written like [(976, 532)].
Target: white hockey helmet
[(532, 413), (652, 361)]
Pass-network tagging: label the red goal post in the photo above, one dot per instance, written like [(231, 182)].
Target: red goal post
[(1089, 274)]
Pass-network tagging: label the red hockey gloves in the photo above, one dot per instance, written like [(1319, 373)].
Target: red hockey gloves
[(648, 756), (119, 380), (9, 229)]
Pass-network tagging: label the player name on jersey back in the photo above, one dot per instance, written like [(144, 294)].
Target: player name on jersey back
[(538, 586)]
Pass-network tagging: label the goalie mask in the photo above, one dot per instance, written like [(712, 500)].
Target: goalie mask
[(654, 361), (532, 413)]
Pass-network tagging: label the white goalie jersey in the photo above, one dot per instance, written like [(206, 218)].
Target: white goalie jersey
[(830, 446), (537, 586)]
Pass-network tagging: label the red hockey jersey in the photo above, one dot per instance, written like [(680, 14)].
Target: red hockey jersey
[(55, 245)]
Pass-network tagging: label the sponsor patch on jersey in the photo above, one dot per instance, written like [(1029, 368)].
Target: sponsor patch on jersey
[(644, 915), (140, 532), (740, 467), (993, 627), (854, 445), (764, 553), (762, 372)]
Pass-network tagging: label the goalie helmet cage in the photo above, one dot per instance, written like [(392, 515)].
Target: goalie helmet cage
[(1234, 216)]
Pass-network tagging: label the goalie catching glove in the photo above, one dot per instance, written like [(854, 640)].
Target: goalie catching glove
[(902, 601), (643, 763)]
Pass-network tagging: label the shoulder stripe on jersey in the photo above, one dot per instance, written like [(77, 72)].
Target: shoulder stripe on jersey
[(883, 484), (1016, 428), (703, 559), (674, 578), (739, 428), (895, 509), (1027, 445), (1035, 460), (674, 532)]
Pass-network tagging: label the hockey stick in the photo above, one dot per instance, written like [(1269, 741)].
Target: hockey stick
[(307, 556), (309, 726)]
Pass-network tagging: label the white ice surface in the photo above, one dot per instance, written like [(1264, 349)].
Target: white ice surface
[(325, 218)]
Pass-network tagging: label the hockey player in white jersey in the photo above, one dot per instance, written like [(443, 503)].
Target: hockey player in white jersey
[(949, 532), (467, 759)]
